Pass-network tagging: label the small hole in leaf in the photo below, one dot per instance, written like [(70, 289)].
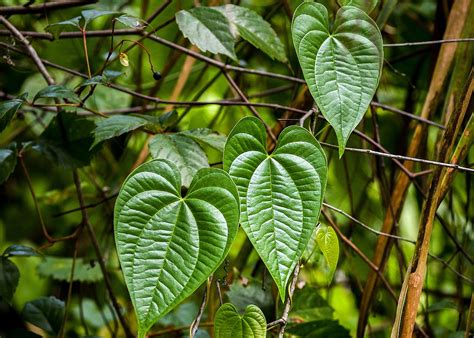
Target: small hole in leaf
[(184, 191)]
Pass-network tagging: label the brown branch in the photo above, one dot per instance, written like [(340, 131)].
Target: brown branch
[(44, 7)]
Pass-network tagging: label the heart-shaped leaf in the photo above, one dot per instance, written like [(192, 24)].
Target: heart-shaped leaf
[(366, 5), (280, 194), (327, 241), (169, 244), (230, 324), (341, 65)]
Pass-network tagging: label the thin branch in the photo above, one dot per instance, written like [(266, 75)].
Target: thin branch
[(425, 43), (44, 7)]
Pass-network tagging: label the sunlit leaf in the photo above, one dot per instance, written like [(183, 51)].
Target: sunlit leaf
[(46, 313), (280, 194), (208, 29), (56, 92), (253, 28), (341, 62), (59, 268), (131, 21), (327, 241), (185, 153), (19, 250), (366, 5), (168, 244), (9, 277), (229, 323)]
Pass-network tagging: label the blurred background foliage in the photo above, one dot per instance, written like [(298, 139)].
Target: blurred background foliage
[(352, 182)]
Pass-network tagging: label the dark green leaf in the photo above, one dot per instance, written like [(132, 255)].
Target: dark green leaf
[(92, 14), (253, 28), (169, 244), (342, 64), (59, 268), (8, 109), (243, 296), (185, 153), (9, 277), (307, 304), (59, 27), (115, 126), (208, 29), (19, 250), (46, 313), (319, 329), (67, 140), (56, 92), (8, 159), (280, 194), (230, 324), (208, 137)]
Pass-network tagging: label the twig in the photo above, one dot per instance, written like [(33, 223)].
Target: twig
[(424, 43), (195, 324), (44, 7), (286, 310)]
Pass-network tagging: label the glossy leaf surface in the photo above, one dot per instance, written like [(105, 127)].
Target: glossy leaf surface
[(230, 324), (46, 313), (280, 194), (366, 5), (169, 244), (341, 65)]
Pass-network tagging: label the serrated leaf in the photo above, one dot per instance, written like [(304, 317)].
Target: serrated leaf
[(229, 323), (327, 241), (115, 126), (341, 65), (19, 250), (131, 21), (56, 92), (208, 137), (8, 109), (366, 5), (319, 329), (59, 268), (169, 244), (67, 140), (185, 153), (280, 194), (253, 28), (59, 27), (9, 277), (208, 29), (46, 313), (91, 14), (8, 159)]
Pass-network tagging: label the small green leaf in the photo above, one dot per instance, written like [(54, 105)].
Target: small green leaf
[(8, 159), (59, 27), (229, 323), (9, 277), (168, 244), (280, 194), (56, 92), (131, 21), (319, 329), (8, 109), (104, 79), (327, 241), (366, 5), (208, 29), (19, 250), (185, 153), (92, 14), (115, 126), (208, 137), (59, 268), (46, 313), (253, 28), (341, 62)]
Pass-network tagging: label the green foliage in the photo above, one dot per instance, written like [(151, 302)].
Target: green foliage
[(216, 29), (9, 108), (157, 230), (19, 250), (59, 268), (342, 64), (9, 277), (280, 194), (207, 137), (319, 329), (229, 324), (366, 5), (56, 92), (8, 159), (46, 313), (327, 241), (115, 126)]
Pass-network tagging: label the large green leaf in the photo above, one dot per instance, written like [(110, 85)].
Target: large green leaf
[(280, 194), (327, 241), (182, 151), (230, 324), (46, 313), (208, 29), (253, 28), (169, 244), (341, 65)]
